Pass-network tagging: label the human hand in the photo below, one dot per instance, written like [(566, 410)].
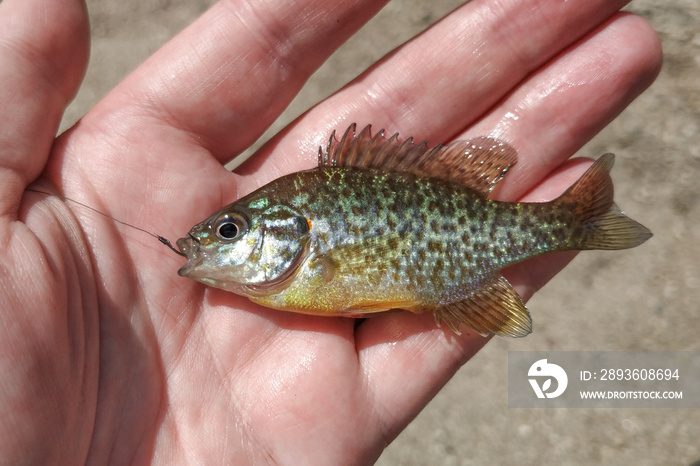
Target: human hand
[(109, 356)]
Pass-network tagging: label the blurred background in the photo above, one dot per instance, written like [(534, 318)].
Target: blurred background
[(644, 299)]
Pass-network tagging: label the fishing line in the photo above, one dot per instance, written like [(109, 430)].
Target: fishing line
[(162, 239)]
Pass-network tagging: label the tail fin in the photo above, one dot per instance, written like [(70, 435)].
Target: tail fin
[(602, 224)]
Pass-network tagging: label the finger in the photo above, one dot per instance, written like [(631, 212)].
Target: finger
[(436, 85), (228, 76), (42, 61), (564, 104), (433, 356)]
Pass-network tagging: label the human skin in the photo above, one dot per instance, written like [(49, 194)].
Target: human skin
[(109, 357)]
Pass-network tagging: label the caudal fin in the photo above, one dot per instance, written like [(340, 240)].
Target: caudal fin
[(602, 224)]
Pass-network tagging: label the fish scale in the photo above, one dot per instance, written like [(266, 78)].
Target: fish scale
[(424, 229), (382, 224)]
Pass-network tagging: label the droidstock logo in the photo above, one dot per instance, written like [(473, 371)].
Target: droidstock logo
[(543, 371)]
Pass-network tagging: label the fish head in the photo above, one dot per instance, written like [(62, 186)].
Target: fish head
[(250, 247)]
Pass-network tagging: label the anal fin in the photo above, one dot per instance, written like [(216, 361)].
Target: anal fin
[(495, 309)]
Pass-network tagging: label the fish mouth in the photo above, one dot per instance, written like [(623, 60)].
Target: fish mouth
[(190, 247)]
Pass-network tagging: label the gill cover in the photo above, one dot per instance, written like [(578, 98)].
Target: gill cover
[(246, 250)]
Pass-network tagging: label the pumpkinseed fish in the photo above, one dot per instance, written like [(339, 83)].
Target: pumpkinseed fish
[(381, 225)]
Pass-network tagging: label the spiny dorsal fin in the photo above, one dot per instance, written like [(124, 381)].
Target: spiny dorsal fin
[(478, 163), (495, 309)]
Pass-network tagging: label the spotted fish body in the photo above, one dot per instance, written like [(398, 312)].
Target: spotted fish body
[(382, 225)]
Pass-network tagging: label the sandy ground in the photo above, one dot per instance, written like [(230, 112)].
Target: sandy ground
[(645, 299)]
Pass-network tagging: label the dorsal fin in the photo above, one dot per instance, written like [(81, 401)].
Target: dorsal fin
[(478, 163)]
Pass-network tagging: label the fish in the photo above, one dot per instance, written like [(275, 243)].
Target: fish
[(382, 225)]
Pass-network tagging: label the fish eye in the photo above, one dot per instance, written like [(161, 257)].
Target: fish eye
[(230, 226)]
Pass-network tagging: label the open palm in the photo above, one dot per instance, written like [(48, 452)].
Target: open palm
[(108, 356)]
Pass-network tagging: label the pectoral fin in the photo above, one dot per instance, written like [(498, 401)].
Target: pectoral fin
[(495, 309)]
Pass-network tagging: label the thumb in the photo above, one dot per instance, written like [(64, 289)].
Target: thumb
[(43, 55)]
